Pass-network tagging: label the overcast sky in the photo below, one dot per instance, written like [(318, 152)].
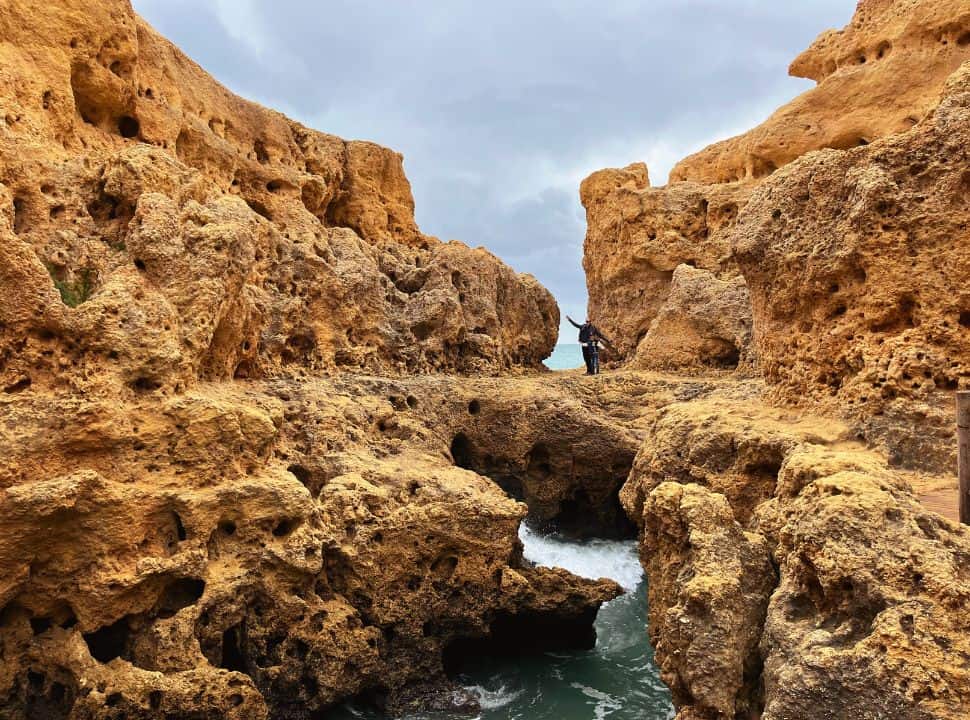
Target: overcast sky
[(501, 108)]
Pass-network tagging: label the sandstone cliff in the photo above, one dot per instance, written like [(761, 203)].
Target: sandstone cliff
[(196, 521), (231, 487), (793, 574), (161, 230), (851, 254), (879, 76), (857, 268)]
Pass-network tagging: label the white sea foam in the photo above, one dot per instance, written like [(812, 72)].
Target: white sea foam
[(614, 559), (493, 699), (605, 705)]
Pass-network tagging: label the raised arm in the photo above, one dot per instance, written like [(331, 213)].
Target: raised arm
[(573, 322)]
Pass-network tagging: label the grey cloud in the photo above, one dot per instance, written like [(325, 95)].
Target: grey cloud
[(500, 108)]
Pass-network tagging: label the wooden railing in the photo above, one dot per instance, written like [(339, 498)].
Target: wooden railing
[(963, 453)]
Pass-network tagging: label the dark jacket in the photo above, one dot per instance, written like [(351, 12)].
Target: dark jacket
[(588, 332)]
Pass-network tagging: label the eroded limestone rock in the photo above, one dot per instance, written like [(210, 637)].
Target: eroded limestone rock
[(279, 546), (636, 237), (704, 324), (878, 76), (856, 270), (198, 235), (857, 610)]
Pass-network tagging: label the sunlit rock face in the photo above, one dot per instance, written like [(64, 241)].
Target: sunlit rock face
[(856, 264), (792, 572), (153, 219), (844, 215), (197, 522)]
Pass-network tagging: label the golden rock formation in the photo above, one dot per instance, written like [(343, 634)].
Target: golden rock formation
[(843, 214), (126, 172), (264, 446), (878, 76), (196, 521), (792, 573), (857, 274)]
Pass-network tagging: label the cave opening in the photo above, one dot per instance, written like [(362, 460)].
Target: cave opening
[(574, 496), (128, 126), (512, 636), (181, 593), (462, 452), (109, 642), (233, 656)]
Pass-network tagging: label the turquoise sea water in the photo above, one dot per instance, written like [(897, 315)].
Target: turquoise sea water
[(616, 680), (565, 356)]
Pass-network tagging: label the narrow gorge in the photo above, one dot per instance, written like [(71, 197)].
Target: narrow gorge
[(268, 451)]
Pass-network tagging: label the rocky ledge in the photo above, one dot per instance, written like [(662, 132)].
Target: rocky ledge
[(264, 446)]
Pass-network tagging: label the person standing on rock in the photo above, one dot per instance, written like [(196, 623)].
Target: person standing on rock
[(589, 338)]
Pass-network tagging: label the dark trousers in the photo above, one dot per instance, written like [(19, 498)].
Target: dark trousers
[(588, 359)]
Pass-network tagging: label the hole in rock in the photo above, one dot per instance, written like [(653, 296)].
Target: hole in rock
[(40, 625), (259, 209), (585, 502), (19, 215), (109, 642), (128, 127), (233, 657), (18, 386), (312, 481), (964, 319), (179, 527), (180, 594), (423, 330), (729, 358), (462, 451), (259, 148), (474, 407), (412, 402), (285, 526), (144, 384)]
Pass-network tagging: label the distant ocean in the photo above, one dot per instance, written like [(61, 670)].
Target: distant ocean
[(565, 356)]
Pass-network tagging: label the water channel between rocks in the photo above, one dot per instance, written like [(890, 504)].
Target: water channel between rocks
[(617, 679)]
